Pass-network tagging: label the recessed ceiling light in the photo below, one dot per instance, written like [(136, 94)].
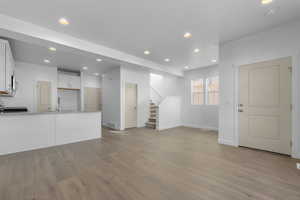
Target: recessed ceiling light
[(214, 60), (186, 67), (167, 59), (96, 74), (52, 48), (63, 21), (265, 2), (85, 68), (98, 59), (196, 50), (147, 52), (46, 61), (187, 35)]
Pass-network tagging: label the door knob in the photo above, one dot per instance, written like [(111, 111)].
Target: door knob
[(240, 110), (241, 105)]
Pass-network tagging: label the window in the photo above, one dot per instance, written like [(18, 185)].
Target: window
[(212, 90), (205, 93), (197, 92)]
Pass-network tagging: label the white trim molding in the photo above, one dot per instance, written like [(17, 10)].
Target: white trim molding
[(296, 106), (227, 142), (167, 128)]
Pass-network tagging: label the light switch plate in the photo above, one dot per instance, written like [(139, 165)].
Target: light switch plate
[(298, 166)]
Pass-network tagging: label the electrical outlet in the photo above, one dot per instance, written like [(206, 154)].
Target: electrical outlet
[(298, 166)]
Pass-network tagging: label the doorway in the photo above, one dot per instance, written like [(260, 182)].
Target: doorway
[(130, 105), (264, 109), (44, 96)]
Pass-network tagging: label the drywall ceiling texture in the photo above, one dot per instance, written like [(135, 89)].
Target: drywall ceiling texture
[(275, 43), (116, 25), (63, 57)]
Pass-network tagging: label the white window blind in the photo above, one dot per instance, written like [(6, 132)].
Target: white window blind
[(212, 90), (197, 92)]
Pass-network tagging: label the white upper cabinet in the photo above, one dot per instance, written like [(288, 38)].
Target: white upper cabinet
[(68, 81), (2, 68), (7, 66)]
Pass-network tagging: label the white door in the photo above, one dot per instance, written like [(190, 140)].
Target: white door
[(92, 99), (265, 105), (44, 96), (130, 105)]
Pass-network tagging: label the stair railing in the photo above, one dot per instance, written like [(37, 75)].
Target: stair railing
[(158, 95)]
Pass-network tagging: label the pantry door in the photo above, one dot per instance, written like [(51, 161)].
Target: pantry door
[(130, 105), (44, 96)]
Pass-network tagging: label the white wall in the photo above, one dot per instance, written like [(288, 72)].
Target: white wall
[(279, 42), (91, 81), (132, 74), (165, 85), (114, 83), (170, 114), (199, 116), (27, 76), (111, 98)]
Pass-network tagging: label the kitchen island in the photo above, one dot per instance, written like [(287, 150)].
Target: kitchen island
[(28, 131)]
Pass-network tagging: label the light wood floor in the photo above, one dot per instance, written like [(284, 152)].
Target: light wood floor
[(178, 164)]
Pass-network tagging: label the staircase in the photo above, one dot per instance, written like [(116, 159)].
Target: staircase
[(153, 116)]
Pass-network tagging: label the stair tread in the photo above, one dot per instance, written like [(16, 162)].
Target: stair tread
[(152, 123)]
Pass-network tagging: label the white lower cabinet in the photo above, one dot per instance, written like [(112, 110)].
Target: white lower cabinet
[(23, 133), (34, 131)]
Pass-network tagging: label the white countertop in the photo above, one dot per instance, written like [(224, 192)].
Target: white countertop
[(44, 113)]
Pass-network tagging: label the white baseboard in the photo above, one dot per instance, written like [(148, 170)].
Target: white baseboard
[(296, 155), (202, 127), (165, 128), (226, 142)]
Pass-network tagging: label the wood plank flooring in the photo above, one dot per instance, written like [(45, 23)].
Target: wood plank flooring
[(177, 164)]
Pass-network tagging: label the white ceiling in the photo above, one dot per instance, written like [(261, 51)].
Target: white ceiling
[(137, 25), (63, 57)]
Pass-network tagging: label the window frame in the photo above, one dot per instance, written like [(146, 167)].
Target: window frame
[(215, 91), (205, 90), (192, 91)]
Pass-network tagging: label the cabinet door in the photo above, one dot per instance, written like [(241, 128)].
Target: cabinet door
[(75, 82), (9, 67), (2, 68), (62, 81), (44, 94), (68, 81)]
